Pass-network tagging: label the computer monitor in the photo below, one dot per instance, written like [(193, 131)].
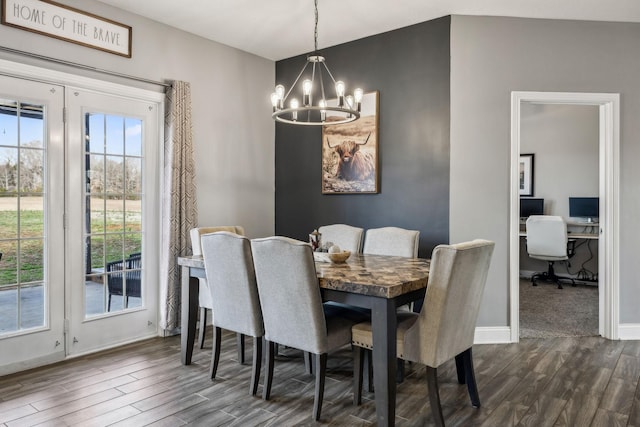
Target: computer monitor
[(530, 207), (584, 208)]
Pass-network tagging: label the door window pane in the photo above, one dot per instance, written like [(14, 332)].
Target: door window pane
[(22, 216), (115, 213)]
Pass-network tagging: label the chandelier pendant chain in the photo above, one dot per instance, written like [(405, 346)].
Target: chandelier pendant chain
[(315, 32)]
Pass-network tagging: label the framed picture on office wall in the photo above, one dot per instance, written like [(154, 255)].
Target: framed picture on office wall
[(350, 151), (526, 174)]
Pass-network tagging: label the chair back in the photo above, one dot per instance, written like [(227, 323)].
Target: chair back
[(129, 270), (446, 324), (204, 297), (547, 237), (196, 233), (290, 294), (229, 267), (392, 241), (347, 237)]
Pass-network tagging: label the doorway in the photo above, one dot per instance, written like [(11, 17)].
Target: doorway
[(608, 149), (79, 213)]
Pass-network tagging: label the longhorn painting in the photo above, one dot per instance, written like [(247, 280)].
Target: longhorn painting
[(350, 152)]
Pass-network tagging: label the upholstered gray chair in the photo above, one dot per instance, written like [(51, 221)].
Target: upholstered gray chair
[(347, 237), (292, 308), (204, 297), (547, 240), (445, 326), (234, 294), (391, 241)]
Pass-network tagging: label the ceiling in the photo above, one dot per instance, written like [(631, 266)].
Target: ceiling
[(279, 29)]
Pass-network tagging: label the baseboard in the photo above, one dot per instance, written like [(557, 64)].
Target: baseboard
[(492, 335), (23, 365), (629, 331)]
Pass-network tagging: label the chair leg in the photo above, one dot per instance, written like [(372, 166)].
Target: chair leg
[(109, 304), (308, 362), (368, 366), (321, 370), (126, 301), (203, 326), (215, 352), (268, 370), (257, 362), (460, 368), (399, 371), (434, 396), (240, 343), (470, 377), (358, 360)]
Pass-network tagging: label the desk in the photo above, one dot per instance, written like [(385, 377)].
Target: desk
[(572, 235), (380, 283)]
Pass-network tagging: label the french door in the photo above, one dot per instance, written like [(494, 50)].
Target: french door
[(113, 220), (31, 223), (79, 220)]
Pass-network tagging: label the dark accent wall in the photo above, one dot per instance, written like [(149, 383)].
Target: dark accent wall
[(410, 68)]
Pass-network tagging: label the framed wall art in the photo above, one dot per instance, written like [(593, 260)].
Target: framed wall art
[(526, 175), (350, 152)]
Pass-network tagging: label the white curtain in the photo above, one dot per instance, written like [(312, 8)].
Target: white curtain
[(179, 207)]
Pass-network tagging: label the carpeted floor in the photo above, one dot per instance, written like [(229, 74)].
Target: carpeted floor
[(546, 311)]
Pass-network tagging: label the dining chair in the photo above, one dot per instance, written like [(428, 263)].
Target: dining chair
[(204, 296), (292, 308), (234, 294), (392, 241), (347, 237), (445, 327)]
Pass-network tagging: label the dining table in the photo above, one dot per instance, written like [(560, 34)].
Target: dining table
[(376, 282)]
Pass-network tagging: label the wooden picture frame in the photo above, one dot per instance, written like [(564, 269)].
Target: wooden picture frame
[(350, 152), (64, 22), (526, 174)]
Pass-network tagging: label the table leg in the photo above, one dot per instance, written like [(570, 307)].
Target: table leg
[(189, 315), (383, 322)]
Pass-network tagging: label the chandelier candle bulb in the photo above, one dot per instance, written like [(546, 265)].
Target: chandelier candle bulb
[(350, 102), (340, 92), (358, 94), (294, 105), (306, 92), (323, 113), (280, 96)]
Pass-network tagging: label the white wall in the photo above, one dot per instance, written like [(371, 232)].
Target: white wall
[(564, 140), (490, 57), (232, 126)]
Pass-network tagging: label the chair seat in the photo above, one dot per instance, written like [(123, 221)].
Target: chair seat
[(549, 257), (362, 336)]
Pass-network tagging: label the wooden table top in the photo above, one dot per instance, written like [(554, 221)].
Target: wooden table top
[(374, 275)]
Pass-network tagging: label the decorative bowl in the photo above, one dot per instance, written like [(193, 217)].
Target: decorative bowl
[(339, 257)]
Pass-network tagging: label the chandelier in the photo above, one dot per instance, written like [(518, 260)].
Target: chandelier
[(305, 112)]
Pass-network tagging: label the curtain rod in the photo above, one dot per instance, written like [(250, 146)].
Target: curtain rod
[(82, 66)]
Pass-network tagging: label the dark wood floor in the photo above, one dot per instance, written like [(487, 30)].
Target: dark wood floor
[(537, 382)]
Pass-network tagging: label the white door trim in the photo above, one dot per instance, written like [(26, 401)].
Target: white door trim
[(609, 183)]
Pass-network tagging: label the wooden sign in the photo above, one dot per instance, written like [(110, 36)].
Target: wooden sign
[(66, 23)]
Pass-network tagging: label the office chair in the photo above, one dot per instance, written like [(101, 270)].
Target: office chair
[(547, 240)]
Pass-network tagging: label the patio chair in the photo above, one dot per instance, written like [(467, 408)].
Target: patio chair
[(127, 271)]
